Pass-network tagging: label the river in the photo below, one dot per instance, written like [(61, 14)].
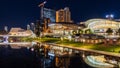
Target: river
[(25, 58)]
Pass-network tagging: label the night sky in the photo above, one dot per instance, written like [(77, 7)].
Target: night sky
[(19, 13)]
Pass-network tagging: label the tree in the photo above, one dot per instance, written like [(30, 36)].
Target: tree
[(88, 31), (74, 32), (80, 31), (37, 28), (119, 31), (109, 31)]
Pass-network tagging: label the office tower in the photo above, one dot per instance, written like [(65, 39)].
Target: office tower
[(6, 28), (63, 15), (49, 13), (32, 26), (28, 27)]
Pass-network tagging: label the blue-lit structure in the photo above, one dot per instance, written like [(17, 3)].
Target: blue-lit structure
[(49, 13)]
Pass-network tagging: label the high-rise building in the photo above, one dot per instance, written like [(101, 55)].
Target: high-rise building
[(49, 13), (6, 28), (38, 28), (28, 27), (63, 15), (45, 25), (32, 25)]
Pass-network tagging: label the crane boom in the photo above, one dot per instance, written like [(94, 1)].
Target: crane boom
[(42, 4)]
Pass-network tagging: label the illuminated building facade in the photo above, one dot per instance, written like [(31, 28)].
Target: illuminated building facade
[(63, 15), (101, 25), (45, 25), (61, 29), (49, 13), (20, 32)]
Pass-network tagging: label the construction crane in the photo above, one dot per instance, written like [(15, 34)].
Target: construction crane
[(42, 8), (42, 4)]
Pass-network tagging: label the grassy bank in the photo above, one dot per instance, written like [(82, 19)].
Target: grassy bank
[(101, 47)]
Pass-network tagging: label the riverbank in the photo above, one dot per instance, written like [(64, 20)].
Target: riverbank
[(99, 47)]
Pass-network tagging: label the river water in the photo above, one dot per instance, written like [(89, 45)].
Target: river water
[(78, 62), (25, 58), (17, 58)]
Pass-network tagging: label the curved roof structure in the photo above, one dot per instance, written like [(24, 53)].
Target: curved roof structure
[(63, 26), (101, 24)]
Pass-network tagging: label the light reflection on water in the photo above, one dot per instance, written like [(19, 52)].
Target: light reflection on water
[(15, 51)]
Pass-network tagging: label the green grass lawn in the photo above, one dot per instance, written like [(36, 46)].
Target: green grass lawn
[(43, 39), (48, 40)]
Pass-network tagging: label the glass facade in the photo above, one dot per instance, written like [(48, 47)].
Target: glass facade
[(49, 13)]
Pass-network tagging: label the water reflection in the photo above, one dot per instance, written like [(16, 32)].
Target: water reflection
[(14, 56), (65, 61), (17, 58)]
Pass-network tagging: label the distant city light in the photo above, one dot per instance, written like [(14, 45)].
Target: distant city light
[(110, 16), (107, 16), (45, 2), (32, 49)]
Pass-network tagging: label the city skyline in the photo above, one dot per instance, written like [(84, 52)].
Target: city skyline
[(21, 13), (60, 34)]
